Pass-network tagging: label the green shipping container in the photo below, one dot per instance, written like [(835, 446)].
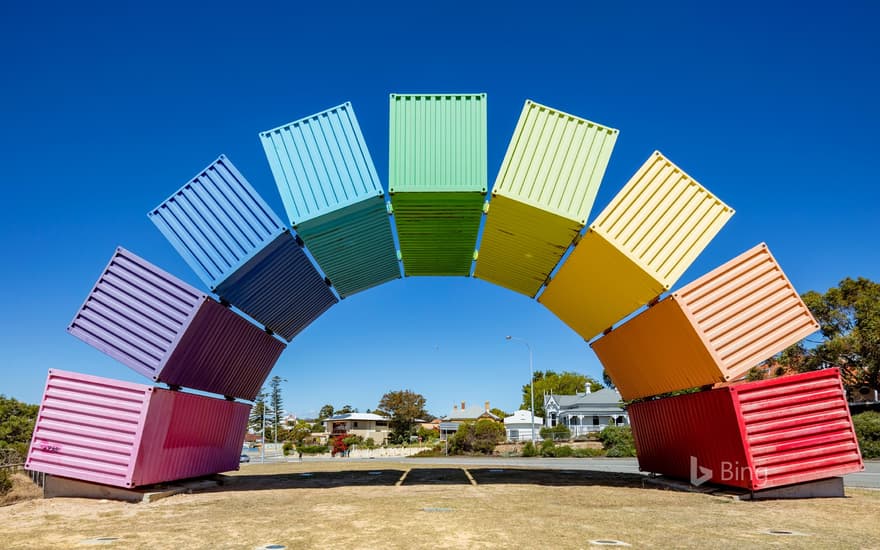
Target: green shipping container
[(437, 179)]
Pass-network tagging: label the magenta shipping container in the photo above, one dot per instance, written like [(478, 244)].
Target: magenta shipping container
[(753, 435), (170, 332), (129, 435)]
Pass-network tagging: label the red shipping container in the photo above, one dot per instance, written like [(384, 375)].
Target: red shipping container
[(753, 435), (127, 435)]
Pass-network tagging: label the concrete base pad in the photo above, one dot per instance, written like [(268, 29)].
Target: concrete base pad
[(823, 488), (56, 486)]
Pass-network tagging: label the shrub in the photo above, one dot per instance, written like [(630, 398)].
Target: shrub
[(338, 445), (529, 449), (313, 449), (557, 432), (617, 441), (563, 451), (867, 425), (351, 440), (477, 437), (5, 482), (369, 443), (587, 452), (434, 451), (547, 448), (287, 447)]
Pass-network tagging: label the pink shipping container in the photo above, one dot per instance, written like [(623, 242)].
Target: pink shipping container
[(753, 435), (128, 435), (170, 332)]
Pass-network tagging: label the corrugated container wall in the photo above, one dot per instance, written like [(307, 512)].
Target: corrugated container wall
[(754, 435), (128, 435), (334, 198), (168, 331), (542, 196), (230, 237), (217, 222), (712, 330), (437, 179), (638, 247)]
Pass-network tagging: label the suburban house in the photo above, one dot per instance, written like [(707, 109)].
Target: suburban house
[(366, 425), (449, 424), (585, 412), (519, 426)]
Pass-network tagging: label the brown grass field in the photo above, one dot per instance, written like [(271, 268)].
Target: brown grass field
[(348, 505)]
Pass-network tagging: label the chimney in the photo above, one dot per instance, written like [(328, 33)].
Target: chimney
[(487, 406), (462, 405)]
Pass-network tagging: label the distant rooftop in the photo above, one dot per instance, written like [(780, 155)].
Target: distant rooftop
[(356, 416)]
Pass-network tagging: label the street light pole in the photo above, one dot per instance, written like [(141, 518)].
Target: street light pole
[(531, 381)]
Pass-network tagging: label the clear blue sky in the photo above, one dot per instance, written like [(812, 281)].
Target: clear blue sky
[(105, 111)]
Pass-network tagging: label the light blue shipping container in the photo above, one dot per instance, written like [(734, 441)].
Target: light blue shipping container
[(217, 222), (333, 197)]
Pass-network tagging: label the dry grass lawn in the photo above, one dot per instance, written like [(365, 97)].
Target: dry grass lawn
[(348, 505)]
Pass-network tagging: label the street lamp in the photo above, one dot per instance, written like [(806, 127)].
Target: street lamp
[(531, 381)]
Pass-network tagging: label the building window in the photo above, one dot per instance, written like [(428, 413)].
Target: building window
[(355, 424), (573, 421), (552, 419), (595, 421)]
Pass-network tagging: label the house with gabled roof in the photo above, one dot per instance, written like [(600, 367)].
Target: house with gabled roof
[(585, 412), (456, 416)]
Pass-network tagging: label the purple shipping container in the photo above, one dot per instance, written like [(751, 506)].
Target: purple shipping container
[(128, 435), (170, 332)]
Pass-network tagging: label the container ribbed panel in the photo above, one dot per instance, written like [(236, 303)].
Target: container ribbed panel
[(217, 222), (136, 312), (798, 428), (353, 245), (555, 162), (662, 219), (321, 163), (437, 143), (747, 310), (279, 288), (88, 428)]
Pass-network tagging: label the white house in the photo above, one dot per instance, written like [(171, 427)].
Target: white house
[(366, 425), (519, 426), (585, 412)]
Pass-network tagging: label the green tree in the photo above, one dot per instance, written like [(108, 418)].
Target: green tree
[(849, 321), (404, 407), (499, 413), (346, 409), (565, 383), (299, 432), (17, 421), (255, 423), (477, 437), (326, 412), (426, 435), (276, 403), (867, 426)]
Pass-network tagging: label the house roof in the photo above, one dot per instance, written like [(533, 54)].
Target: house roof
[(355, 416), (470, 413), (604, 399), (523, 417)]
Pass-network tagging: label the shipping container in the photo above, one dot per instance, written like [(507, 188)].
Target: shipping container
[(129, 435), (437, 179), (321, 164), (233, 240), (280, 288), (637, 248), (217, 222), (437, 142), (542, 196), (168, 331), (712, 330), (753, 435), (334, 198), (354, 245)]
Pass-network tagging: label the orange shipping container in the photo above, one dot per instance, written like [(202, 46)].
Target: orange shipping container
[(712, 330)]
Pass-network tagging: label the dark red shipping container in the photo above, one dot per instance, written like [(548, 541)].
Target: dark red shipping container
[(753, 435)]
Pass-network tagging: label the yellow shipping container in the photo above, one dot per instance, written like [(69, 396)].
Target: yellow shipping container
[(638, 247), (712, 330)]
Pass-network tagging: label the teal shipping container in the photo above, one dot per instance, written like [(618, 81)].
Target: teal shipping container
[(333, 197), (437, 179)]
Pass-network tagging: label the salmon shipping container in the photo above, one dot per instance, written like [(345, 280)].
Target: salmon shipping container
[(542, 196), (129, 435), (334, 198), (168, 331), (437, 179), (638, 247), (712, 330), (753, 435), (231, 238)]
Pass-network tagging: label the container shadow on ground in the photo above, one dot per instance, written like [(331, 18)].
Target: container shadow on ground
[(428, 476)]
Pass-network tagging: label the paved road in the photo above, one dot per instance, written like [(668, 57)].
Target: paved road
[(870, 478)]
